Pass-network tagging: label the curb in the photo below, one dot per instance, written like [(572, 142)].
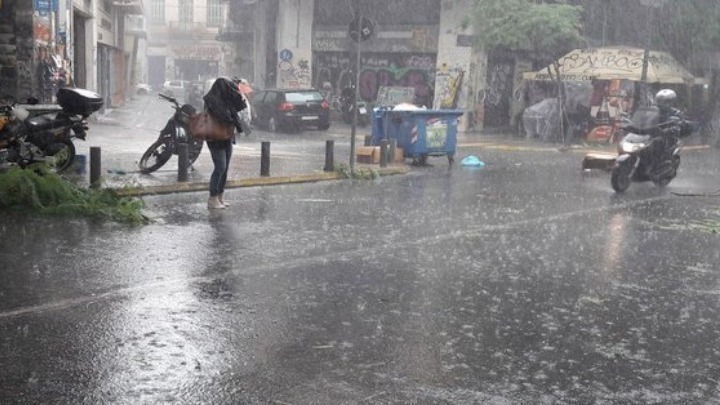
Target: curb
[(327, 176), (254, 182)]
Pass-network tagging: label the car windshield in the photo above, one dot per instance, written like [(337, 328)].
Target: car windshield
[(301, 97)]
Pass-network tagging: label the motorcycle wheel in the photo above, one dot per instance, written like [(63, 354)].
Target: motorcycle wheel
[(620, 178), (195, 147), (63, 154), (155, 156)]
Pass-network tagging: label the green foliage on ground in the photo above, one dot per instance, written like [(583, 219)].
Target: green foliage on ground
[(360, 173), (37, 190)]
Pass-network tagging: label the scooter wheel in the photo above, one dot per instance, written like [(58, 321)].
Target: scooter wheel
[(668, 172), (620, 178)]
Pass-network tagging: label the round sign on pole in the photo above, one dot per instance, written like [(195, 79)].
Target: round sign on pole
[(286, 55), (366, 29)]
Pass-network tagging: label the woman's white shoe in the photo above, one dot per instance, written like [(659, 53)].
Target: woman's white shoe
[(214, 203)]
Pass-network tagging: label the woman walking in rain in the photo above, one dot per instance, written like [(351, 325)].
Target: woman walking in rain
[(223, 101)]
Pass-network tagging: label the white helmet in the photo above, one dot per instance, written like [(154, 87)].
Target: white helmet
[(665, 98)]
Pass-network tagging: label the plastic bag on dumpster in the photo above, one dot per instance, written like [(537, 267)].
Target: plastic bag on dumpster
[(542, 120), (407, 107)]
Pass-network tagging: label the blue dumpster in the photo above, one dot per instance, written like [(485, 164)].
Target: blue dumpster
[(420, 133)]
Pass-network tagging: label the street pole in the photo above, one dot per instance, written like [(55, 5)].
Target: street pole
[(353, 128), (643, 76)]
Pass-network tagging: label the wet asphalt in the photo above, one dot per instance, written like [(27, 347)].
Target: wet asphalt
[(526, 281)]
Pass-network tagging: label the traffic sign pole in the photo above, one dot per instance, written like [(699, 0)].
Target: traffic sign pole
[(353, 128), (360, 30)]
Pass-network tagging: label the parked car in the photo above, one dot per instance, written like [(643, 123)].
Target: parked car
[(194, 92), (175, 88), (290, 109)]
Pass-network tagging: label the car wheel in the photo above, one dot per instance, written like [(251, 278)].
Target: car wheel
[(324, 126)]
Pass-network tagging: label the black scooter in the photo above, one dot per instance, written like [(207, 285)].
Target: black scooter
[(649, 152), (175, 132)]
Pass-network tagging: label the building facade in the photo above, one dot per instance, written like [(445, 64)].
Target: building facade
[(109, 45), (305, 43), (185, 41), (46, 44)]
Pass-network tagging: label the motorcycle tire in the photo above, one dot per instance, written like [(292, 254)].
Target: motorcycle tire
[(63, 154), (194, 149), (156, 156), (620, 179)]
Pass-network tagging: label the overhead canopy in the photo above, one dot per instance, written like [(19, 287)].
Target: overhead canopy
[(619, 62)]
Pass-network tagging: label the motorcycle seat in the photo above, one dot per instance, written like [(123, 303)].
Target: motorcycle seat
[(635, 138), (47, 122)]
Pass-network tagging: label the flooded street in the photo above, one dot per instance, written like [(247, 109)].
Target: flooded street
[(526, 280)]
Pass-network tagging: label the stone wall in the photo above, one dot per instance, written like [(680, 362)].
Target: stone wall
[(17, 52)]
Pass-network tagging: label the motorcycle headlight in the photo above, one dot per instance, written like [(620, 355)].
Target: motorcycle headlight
[(629, 147)]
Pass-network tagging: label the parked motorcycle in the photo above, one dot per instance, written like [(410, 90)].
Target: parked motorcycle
[(175, 132), (347, 102), (650, 150), (46, 137)]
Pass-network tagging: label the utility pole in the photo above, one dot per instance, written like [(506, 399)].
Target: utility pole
[(353, 128), (360, 30)]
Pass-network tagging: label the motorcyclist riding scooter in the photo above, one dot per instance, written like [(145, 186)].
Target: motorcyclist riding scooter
[(651, 149)]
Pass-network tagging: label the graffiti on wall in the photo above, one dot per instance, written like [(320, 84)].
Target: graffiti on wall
[(499, 84), (25, 78), (448, 86), (498, 92), (378, 70), (293, 74)]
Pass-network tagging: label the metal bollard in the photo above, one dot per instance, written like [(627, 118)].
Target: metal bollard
[(329, 156), (384, 145), (183, 162), (265, 159), (391, 152), (95, 166)]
